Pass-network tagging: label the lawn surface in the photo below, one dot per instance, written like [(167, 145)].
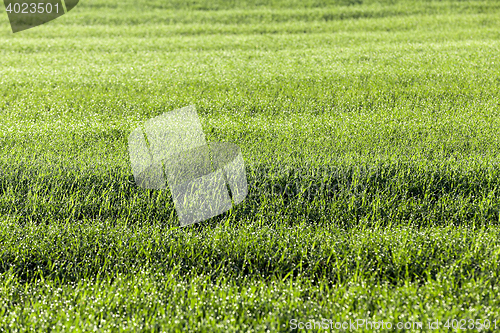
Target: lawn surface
[(371, 137)]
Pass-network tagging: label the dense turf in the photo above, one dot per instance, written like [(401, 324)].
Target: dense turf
[(370, 132)]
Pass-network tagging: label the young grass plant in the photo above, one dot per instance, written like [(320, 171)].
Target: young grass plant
[(370, 137)]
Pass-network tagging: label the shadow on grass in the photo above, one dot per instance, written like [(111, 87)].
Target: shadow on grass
[(383, 194), (72, 224)]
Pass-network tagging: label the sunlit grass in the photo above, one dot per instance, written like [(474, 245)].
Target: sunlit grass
[(370, 137)]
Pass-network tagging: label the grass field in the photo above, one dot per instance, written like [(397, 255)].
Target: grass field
[(370, 133)]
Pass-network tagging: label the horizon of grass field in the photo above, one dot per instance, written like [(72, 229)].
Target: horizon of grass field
[(370, 137)]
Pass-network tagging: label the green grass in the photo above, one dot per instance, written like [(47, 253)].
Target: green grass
[(370, 133)]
